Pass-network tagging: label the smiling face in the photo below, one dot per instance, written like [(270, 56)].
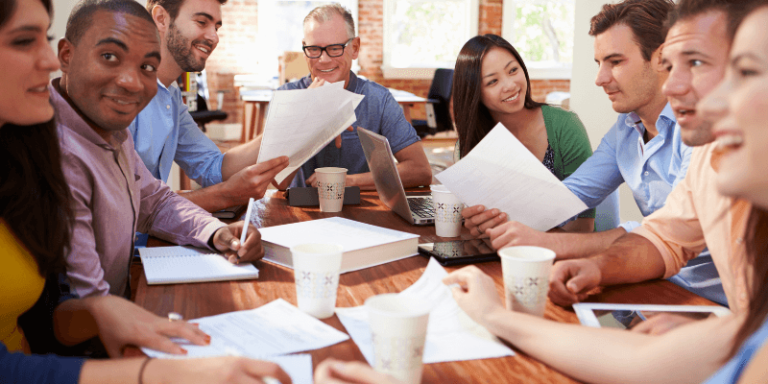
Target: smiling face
[(333, 31), (193, 35), (26, 61), (738, 108), (629, 81), (693, 54), (110, 75), (503, 83)]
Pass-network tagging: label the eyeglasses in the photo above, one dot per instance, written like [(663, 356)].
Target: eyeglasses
[(333, 50)]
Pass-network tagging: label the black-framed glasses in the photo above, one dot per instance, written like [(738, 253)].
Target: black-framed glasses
[(333, 50)]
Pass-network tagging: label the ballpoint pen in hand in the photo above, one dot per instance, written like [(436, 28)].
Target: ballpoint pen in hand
[(247, 222)]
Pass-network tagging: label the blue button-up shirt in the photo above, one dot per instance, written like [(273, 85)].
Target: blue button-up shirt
[(165, 132), (650, 169)]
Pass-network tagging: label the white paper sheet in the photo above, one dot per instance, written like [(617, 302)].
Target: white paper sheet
[(451, 334), (352, 235), (302, 122), (276, 328), (501, 173)]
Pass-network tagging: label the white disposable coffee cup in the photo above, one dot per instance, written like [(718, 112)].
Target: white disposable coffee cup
[(330, 188), (316, 271), (526, 278), (398, 331), (447, 212)]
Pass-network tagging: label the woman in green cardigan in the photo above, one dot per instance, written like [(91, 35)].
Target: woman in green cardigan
[(490, 86)]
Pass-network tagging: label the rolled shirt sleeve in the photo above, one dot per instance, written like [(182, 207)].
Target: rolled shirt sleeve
[(196, 154), (165, 132), (675, 230)]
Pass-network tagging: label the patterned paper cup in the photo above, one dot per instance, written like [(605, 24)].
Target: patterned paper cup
[(316, 270), (398, 331), (330, 188), (526, 278), (447, 212)]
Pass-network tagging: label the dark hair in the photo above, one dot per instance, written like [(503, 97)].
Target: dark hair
[(733, 9), (34, 195), (171, 6), (756, 238), (646, 18), (80, 19), (473, 119)]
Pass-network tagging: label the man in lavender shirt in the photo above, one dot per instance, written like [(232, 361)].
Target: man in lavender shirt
[(109, 57)]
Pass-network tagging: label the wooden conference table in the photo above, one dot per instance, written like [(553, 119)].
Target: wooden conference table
[(207, 299), (257, 102)]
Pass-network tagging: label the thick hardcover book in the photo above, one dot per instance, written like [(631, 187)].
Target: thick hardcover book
[(173, 265), (364, 245)]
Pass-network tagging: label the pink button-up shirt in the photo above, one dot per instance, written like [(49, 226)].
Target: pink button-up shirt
[(695, 216), (114, 196)]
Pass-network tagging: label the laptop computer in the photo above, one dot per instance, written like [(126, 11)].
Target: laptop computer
[(417, 210)]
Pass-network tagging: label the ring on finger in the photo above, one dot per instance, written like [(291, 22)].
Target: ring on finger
[(173, 316)]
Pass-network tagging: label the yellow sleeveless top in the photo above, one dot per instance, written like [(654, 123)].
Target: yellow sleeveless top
[(20, 287)]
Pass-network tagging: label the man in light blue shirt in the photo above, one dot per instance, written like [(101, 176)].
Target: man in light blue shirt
[(165, 132)]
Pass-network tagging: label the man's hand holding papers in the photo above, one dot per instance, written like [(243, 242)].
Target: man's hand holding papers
[(301, 122)]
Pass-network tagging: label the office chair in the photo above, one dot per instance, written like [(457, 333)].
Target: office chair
[(438, 114), (203, 115)]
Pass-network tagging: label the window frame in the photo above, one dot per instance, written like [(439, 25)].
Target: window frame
[(536, 71), (417, 72)]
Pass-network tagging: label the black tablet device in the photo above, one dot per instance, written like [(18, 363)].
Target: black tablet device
[(460, 251)]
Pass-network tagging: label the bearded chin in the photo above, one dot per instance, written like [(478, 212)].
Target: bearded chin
[(181, 50)]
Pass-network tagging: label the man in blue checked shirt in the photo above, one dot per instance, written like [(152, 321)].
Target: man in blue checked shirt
[(165, 132)]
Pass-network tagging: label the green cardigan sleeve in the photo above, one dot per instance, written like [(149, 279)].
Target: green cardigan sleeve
[(569, 142)]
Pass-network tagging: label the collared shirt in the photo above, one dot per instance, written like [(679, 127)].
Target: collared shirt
[(379, 112), (164, 132), (697, 216), (650, 169), (114, 195)]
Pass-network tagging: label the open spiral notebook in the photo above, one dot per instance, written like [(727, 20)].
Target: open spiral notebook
[(173, 265)]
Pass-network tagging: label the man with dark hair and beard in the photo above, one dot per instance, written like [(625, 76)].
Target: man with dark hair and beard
[(165, 132)]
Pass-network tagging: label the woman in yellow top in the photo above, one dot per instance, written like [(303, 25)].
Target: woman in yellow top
[(35, 222)]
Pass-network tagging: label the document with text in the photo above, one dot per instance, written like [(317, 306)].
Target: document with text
[(451, 334), (501, 173), (301, 122), (275, 328)]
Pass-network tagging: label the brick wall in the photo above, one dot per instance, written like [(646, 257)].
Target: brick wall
[(540, 88), (238, 36), (490, 17)]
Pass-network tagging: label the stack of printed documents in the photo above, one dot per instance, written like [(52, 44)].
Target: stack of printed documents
[(301, 122)]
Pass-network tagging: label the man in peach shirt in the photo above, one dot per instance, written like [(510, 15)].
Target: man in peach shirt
[(695, 215)]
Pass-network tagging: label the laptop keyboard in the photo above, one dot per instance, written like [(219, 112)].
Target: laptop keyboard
[(422, 207)]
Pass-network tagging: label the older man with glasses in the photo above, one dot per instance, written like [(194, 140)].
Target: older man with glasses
[(329, 47)]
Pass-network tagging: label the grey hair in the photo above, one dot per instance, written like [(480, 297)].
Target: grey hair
[(324, 13)]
